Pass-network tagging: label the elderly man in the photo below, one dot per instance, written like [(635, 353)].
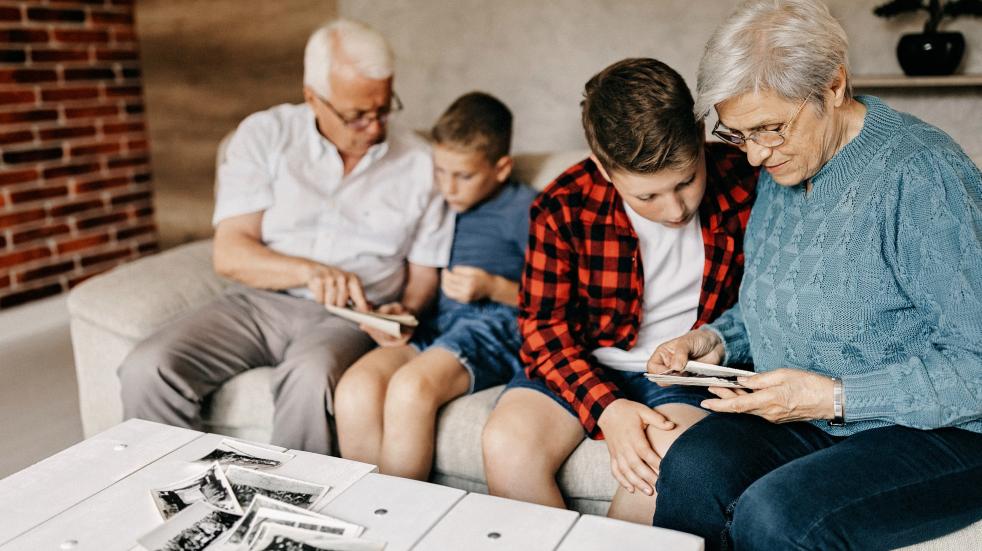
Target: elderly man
[(316, 205)]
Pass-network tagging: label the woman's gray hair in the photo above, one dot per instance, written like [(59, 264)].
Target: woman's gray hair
[(362, 46), (790, 47)]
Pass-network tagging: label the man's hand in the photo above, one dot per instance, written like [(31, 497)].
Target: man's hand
[(700, 345), (466, 284), (780, 396), (633, 462), (384, 339), (335, 287)]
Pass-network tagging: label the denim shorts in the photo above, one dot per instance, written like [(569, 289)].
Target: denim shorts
[(633, 384), (483, 336)]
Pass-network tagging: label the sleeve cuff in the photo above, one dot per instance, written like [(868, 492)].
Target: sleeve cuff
[(244, 207), (735, 345), (593, 428), (869, 396)]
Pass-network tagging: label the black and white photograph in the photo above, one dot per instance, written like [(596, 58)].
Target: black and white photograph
[(264, 504), (246, 483), (318, 524), (285, 538), (210, 486), (193, 529), (232, 452)]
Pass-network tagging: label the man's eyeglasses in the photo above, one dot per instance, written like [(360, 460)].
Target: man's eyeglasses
[(363, 119), (765, 138)]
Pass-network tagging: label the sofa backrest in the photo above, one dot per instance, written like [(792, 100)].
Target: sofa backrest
[(535, 169)]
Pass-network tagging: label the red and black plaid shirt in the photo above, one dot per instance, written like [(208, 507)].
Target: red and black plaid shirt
[(583, 280)]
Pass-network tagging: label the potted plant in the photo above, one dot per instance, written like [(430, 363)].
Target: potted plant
[(931, 52)]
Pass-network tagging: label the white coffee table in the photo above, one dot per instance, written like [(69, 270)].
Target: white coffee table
[(95, 496)]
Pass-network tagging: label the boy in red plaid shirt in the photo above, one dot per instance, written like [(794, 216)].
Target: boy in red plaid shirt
[(629, 248)]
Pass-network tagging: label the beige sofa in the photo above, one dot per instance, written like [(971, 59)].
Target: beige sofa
[(112, 312)]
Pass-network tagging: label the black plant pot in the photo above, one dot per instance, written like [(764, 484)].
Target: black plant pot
[(926, 54)]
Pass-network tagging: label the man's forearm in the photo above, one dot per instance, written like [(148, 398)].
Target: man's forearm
[(251, 263)]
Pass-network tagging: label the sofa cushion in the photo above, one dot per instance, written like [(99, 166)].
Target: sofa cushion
[(135, 299)]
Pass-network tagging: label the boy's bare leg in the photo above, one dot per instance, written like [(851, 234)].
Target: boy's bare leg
[(638, 507), (414, 396), (526, 440), (359, 399)]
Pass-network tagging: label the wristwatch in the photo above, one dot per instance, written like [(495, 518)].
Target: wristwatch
[(838, 404)]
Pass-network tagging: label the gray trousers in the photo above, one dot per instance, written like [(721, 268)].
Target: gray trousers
[(168, 376)]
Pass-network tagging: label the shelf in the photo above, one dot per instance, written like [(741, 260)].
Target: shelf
[(902, 81)]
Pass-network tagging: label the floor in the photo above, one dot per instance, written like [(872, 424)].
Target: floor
[(38, 393)]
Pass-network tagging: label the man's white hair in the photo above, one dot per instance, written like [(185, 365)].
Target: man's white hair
[(355, 43), (792, 48)]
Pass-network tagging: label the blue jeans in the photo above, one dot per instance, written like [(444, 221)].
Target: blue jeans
[(634, 386), (742, 483), (483, 336)]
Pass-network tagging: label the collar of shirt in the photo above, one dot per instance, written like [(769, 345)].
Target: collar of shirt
[(319, 146)]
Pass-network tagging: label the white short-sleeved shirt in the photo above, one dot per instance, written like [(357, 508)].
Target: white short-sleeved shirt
[(369, 222), (673, 260)]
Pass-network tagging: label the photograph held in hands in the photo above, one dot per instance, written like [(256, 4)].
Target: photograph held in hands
[(390, 324), (701, 374)]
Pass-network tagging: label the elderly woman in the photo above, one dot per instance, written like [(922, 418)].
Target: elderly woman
[(860, 307)]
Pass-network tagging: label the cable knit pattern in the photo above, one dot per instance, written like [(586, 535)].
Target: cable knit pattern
[(875, 277)]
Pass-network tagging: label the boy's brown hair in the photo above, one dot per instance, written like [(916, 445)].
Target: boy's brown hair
[(638, 117), (476, 122)]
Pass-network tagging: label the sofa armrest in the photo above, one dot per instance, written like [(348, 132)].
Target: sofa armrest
[(112, 312), (136, 299)]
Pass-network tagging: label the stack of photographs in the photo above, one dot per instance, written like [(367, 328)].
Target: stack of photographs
[(244, 509), (264, 510), (285, 538)]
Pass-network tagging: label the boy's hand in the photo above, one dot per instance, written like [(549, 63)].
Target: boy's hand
[(384, 339), (466, 284), (633, 462)]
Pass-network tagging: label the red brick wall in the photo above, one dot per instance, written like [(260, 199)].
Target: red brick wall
[(75, 193)]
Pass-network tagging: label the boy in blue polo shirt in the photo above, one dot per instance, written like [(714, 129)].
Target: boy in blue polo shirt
[(386, 404)]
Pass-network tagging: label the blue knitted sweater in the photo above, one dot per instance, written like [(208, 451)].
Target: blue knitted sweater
[(875, 276)]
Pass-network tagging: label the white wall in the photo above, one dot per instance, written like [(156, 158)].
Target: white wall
[(537, 55)]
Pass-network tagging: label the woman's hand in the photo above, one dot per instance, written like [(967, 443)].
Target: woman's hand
[(633, 462), (384, 339), (700, 345), (780, 396)]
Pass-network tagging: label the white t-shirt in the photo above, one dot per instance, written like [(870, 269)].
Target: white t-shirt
[(673, 260), (369, 222)]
